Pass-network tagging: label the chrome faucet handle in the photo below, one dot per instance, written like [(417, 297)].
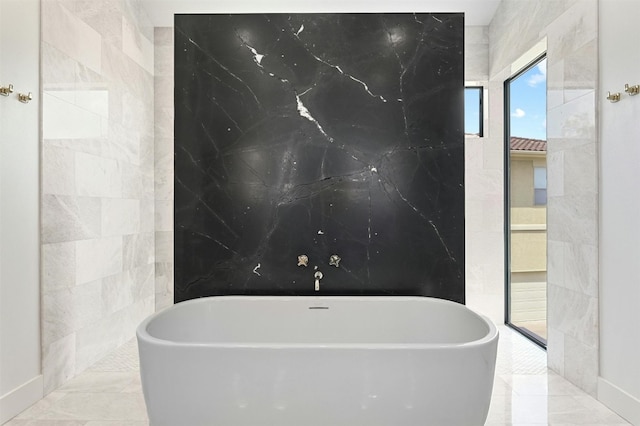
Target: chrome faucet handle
[(318, 276), (303, 260), (334, 260)]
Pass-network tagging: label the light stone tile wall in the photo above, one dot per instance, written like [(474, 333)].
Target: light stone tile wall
[(572, 212), (97, 181), (164, 166), (484, 211), (476, 53)]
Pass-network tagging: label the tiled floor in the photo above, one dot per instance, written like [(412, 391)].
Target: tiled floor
[(536, 327), (525, 393)]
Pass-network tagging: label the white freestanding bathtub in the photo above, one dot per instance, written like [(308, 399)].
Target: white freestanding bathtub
[(303, 361)]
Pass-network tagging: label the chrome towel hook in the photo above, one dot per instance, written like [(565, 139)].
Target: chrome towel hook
[(613, 97), (6, 91), (25, 98), (632, 90)]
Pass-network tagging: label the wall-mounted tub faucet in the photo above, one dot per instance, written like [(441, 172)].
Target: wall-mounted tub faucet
[(318, 277), (334, 260)]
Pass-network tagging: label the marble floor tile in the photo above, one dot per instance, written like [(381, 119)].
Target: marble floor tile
[(97, 382), (39, 407), (113, 406), (36, 422), (525, 393)]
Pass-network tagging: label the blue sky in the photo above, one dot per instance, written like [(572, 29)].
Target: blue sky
[(528, 109), (471, 111)]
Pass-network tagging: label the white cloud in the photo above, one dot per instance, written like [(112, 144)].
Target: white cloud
[(518, 113), (536, 79), (542, 67), (540, 76)]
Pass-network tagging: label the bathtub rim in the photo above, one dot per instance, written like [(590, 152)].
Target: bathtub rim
[(142, 333)]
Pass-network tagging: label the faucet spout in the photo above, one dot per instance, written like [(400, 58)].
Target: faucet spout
[(318, 277)]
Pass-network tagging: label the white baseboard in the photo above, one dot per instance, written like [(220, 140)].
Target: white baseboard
[(14, 402), (621, 402)]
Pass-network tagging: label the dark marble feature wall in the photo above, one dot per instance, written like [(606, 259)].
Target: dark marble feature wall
[(319, 134)]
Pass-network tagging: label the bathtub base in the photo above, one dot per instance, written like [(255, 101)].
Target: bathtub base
[(320, 387)]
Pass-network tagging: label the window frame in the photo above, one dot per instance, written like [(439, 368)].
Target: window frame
[(480, 90), (540, 341), (539, 189)]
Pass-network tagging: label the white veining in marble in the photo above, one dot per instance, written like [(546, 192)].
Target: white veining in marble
[(74, 65)]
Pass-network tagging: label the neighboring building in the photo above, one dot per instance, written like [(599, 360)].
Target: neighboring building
[(528, 195)]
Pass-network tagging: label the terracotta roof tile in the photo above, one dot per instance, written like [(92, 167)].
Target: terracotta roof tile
[(524, 144)]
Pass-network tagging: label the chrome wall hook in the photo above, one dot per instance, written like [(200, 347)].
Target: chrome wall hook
[(632, 90), (6, 91), (25, 98), (613, 97)]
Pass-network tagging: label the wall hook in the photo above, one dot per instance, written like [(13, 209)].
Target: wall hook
[(318, 277), (613, 97), (6, 91), (25, 98), (632, 90)]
